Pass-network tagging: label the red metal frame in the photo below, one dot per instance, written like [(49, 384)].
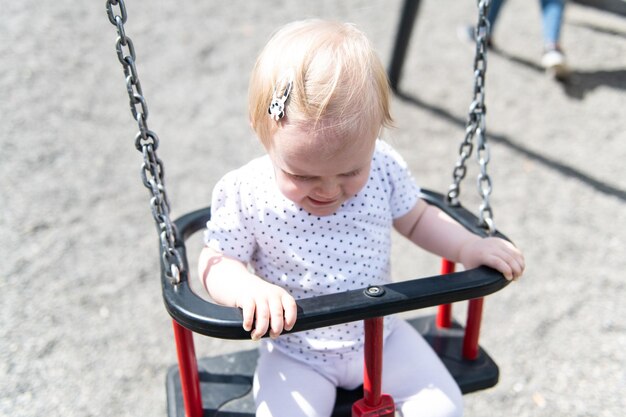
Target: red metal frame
[(474, 317), (188, 367), (374, 403), (472, 328), (444, 312)]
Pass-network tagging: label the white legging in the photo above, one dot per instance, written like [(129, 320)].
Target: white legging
[(412, 374)]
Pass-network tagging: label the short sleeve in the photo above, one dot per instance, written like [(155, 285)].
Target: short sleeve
[(229, 231), (404, 190)]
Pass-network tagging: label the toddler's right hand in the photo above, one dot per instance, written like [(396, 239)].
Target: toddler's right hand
[(266, 306)]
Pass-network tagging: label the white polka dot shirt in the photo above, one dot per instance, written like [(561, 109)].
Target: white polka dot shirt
[(310, 255)]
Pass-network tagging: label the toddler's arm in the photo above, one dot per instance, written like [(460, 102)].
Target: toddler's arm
[(229, 283), (432, 229)]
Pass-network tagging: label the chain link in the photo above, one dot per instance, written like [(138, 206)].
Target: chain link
[(476, 128), (146, 142)]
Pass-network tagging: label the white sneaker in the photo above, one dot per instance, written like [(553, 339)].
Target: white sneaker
[(553, 61)]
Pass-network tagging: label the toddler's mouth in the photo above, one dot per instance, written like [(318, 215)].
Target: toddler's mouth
[(322, 202)]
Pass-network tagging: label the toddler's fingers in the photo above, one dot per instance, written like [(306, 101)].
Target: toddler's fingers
[(248, 310), (262, 321), (515, 259), (498, 263), (291, 311), (276, 317), (519, 265)]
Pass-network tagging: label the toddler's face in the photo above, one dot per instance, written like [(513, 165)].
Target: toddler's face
[(320, 178)]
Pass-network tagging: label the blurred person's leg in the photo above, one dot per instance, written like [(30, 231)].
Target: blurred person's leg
[(552, 19), (553, 59)]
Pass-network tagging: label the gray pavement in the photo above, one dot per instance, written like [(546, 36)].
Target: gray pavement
[(83, 331)]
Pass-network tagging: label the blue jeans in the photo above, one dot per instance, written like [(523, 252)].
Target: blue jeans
[(551, 17)]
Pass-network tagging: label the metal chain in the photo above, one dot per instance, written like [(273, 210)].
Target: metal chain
[(476, 127), (146, 142)]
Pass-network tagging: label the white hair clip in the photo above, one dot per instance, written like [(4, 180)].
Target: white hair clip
[(277, 105)]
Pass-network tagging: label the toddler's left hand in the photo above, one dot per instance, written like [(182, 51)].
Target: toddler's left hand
[(494, 252)]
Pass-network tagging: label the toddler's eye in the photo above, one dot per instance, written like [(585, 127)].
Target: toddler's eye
[(300, 177), (352, 173)]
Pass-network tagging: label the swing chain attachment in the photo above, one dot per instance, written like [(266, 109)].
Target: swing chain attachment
[(476, 127), (147, 142)]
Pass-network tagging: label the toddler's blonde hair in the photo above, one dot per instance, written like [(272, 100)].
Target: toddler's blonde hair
[(339, 83)]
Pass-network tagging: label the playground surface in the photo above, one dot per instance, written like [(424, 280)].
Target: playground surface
[(83, 330)]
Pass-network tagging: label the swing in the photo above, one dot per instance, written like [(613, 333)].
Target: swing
[(209, 386)]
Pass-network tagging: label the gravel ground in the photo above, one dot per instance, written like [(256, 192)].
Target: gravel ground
[(83, 330)]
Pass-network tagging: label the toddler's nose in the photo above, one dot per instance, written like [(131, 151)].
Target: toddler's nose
[(328, 190)]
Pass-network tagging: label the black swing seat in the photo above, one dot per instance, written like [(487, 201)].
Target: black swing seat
[(226, 380)]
